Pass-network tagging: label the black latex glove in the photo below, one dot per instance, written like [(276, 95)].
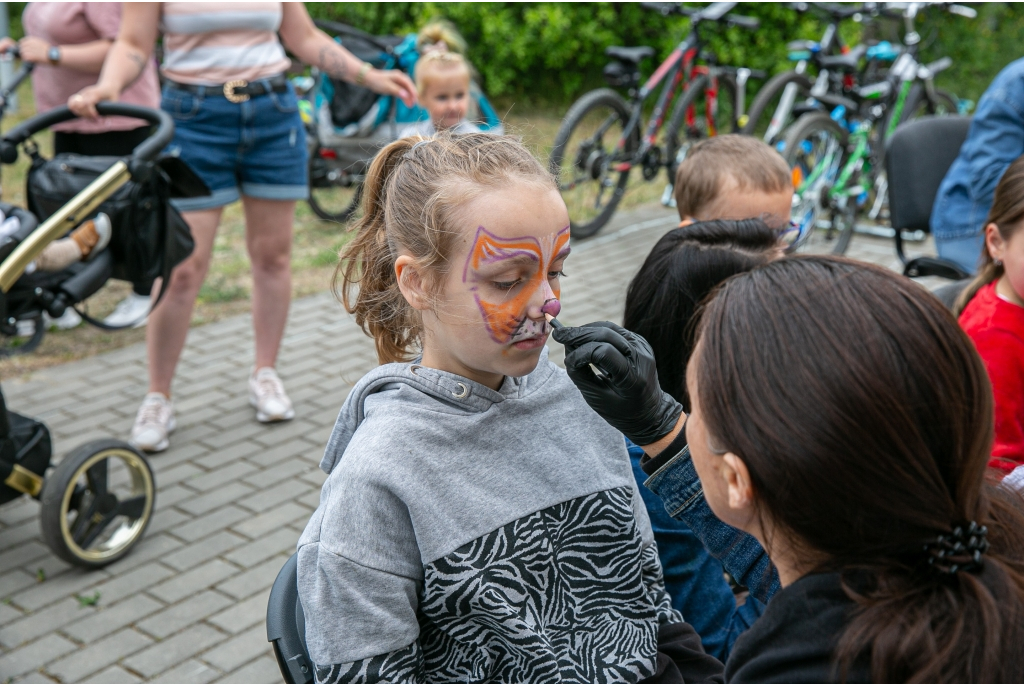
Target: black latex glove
[(627, 394)]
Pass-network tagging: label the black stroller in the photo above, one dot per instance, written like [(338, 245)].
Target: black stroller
[(97, 502)]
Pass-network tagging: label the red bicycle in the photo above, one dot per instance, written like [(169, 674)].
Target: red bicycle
[(600, 139)]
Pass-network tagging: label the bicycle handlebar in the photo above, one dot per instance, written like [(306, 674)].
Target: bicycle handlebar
[(146, 151), (716, 11)]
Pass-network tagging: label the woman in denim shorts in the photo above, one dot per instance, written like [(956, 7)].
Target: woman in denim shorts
[(237, 124)]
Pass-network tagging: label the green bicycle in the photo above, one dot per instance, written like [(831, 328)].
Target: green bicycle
[(836, 154)]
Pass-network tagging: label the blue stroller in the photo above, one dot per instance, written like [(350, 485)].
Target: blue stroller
[(347, 124)]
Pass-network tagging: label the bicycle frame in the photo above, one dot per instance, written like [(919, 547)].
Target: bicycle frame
[(678, 66)]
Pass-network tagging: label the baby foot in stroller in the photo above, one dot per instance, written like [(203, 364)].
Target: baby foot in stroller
[(84, 243), (93, 236)]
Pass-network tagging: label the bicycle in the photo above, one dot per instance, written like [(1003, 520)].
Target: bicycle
[(836, 155), (781, 100), (612, 145)]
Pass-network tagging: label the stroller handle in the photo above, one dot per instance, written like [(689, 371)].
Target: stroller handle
[(146, 152)]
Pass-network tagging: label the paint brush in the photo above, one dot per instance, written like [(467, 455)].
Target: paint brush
[(556, 324)]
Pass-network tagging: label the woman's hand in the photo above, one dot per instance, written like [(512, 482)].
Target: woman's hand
[(83, 103), (391, 82), (34, 50), (626, 394), (6, 44), (317, 49)]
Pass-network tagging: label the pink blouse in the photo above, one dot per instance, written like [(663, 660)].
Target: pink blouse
[(72, 23)]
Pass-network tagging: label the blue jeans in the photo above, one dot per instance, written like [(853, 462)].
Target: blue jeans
[(964, 251), (694, 578), (255, 148)]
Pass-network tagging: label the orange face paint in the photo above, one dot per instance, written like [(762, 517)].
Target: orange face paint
[(506, 318)]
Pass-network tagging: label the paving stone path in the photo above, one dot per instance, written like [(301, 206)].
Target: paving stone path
[(188, 604)]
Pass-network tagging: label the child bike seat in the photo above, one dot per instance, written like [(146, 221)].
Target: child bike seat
[(633, 55)]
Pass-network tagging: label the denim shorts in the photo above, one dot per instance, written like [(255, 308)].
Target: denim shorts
[(255, 148)]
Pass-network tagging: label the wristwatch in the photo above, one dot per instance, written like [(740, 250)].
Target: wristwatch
[(53, 55)]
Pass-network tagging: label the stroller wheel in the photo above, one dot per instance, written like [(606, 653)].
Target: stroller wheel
[(97, 502)]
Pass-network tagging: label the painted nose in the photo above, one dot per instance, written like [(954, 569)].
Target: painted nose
[(547, 301)]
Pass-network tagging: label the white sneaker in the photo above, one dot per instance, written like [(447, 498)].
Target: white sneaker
[(68, 320), (153, 423), (134, 308), (266, 393)]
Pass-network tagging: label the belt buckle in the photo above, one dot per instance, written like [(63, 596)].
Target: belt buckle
[(231, 95)]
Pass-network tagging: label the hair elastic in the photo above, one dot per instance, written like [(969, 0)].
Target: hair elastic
[(959, 550)]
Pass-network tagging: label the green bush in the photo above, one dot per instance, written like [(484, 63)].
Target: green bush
[(552, 52), (549, 53)]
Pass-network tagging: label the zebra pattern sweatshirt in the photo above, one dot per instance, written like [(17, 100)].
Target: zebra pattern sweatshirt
[(469, 534)]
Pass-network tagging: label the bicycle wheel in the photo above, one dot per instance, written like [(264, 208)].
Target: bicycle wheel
[(585, 157), (334, 194), (697, 116), (815, 149), (771, 112)]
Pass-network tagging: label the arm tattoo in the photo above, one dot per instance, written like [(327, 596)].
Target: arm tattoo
[(139, 61), (331, 63)]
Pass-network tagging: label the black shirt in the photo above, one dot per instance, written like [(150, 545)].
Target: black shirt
[(796, 637)]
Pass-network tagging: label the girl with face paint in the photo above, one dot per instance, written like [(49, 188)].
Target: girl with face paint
[(479, 523)]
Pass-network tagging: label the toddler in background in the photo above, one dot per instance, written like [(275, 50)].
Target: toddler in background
[(443, 85), (991, 311)]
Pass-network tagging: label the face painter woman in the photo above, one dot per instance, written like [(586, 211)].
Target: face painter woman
[(841, 422), (237, 124)]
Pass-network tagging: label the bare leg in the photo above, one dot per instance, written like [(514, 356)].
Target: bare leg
[(169, 322), (268, 237)]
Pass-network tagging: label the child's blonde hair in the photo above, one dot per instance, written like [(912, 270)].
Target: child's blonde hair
[(1007, 214), (411, 198), (438, 60), (440, 34)]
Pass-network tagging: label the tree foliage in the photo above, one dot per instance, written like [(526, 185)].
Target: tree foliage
[(551, 52)]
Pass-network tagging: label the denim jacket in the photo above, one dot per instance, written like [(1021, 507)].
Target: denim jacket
[(995, 139), (677, 484)]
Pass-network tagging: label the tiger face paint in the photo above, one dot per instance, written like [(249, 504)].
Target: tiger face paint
[(506, 274)]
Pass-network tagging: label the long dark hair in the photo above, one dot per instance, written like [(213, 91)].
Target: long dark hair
[(864, 416), (683, 267), (1007, 213)]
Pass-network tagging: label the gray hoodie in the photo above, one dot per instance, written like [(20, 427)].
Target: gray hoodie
[(467, 534)]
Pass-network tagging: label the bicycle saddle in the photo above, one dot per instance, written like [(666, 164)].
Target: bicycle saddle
[(847, 62), (633, 55)]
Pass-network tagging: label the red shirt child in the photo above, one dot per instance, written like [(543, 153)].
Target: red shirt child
[(997, 328)]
